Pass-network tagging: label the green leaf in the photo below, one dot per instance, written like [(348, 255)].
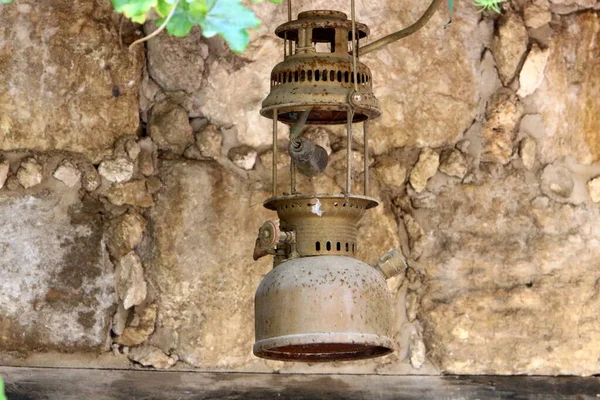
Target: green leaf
[(179, 25), (231, 20), (5, 2), (136, 10)]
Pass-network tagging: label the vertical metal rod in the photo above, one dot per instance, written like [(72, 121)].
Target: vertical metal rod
[(289, 19), (349, 155), (354, 47), (275, 118), (293, 177), (366, 140)]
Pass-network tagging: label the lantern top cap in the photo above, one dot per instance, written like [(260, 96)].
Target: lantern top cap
[(320, 19)]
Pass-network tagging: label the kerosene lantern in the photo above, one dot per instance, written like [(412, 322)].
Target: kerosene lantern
[(321, 303)]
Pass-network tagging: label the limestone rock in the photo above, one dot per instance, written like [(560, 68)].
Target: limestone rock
[(498, 267), (169, 127), (537, 14), (131, 286), (4, 170), (198, 124), (119, 170), (594, 189), (283, 159), (68, 174), (90, 179), (147, 157), (426, 167), (30, 173), (140, 328), (209, 142), (412, 306), (176, 63), (150, 356), (244, 157), (502, 115), (424, 200), (67, 82), (153, 184), (453, 163), (57, 283), (532, 73), (571, 121), (417, 351), (510, 45), (416, 236), (119, 320), (391, 172), (557, 182), (133, 149), (528, 151), (134, 193), (124, 233), (192, 223)]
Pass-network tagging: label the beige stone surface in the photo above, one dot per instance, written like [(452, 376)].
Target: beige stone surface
[(510, 289), (568, 97), (510, 45), (201, 273), (56, 282), (67, 82)]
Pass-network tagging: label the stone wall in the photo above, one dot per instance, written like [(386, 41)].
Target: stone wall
[(131, 189)]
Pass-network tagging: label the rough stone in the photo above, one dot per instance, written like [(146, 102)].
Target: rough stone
[(153, 184), (453, 163), (134, 193), (57, 282), (90, 179), (131, 286), (426, 167), (424, 200), (119, 170), (412, 306), (68, 174), (146, 160), (133, 149), (537, 14), (594, 189), (150, 356), (169, 127), (502, 115), (176, 63), (30, 173), (198, 124), (4, 170), (243, 157), (568, 97), (417, 238), (417, 350), (196, 213), (557, 182), (510, 45), (283, 159), (423, 103), (140, 328), (124, 234), (391, 173), (527, 152), (510, 289), (119, 321), (209, 142), (67, 82), (532, 73)]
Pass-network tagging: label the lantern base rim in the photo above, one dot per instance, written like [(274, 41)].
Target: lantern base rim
[(323, 347)]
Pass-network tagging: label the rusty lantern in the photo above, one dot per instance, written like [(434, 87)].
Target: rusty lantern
[(321, 303)]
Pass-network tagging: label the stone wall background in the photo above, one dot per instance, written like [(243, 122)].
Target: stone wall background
[(131, 189)]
